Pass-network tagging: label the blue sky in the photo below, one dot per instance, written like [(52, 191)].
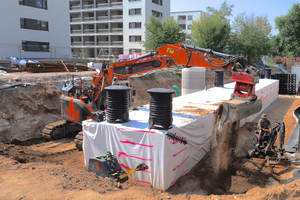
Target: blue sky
[(271, 8)]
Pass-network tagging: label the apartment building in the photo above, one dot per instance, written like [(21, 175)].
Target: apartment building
[(35, 29), (101, 28), (185, 18)]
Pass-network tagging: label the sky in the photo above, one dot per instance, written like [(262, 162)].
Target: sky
[(270, 8)]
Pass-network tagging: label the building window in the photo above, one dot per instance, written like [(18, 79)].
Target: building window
[(22, 22), (33, 24), (34, 3), (135, 11), (189, 27), (35, 46), (135, 24), (182, 26), (135, 38), (190, 17), (159, 2), (134, 0), (156, 13)]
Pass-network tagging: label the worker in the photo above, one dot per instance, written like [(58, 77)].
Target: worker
[(263, 125)]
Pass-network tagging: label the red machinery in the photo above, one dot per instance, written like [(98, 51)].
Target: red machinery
[(80, 102)]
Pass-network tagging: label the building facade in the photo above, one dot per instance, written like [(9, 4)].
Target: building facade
[(31, 29), (102, 28), (185, 18)]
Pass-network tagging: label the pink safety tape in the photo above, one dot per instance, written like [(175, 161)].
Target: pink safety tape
[(130, 129), (179, 177), (179, 152), (123, 153), (181, 163), (143, 182), (128, 142)]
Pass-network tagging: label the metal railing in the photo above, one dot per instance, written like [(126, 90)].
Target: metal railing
[(89, 19), (103, 43), (101, 18), (75, 31), (117, 43), (116, 4), (113, 30), (75, 19), (116, 17), (89, 31), (100, 30), (88, 6), (76, 43), (99, 5), (75, 7)]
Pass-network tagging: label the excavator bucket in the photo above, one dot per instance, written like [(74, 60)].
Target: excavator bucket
[(236, 109)]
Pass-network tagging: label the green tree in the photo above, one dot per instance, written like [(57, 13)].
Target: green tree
[(288, 39), (225, 10), (250, 36), (159, 33), (212, 31)]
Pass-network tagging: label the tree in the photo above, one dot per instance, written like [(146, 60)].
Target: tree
[(212, 31), (225, 9), (250, 36), (159, 33), (288, 39)]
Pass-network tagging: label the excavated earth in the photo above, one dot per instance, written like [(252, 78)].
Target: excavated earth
[(31, 168)]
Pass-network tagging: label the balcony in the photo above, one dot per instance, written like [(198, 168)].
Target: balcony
[(117, 17), (101, 5), (75, 7), (87, 6), (103, 43), (75, 31), (102, 30), (181, 21), (89, 31), (76, 43), (88, 19), (75, 19), (89, 43), (117, 43), (102, 18), (114, 4), (116, 30)]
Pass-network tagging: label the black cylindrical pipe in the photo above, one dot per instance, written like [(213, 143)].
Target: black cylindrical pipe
[(268, 73), (219, 78), (117, 99), (160, 116)]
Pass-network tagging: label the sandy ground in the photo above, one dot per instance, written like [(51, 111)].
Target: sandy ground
[(35, 169)]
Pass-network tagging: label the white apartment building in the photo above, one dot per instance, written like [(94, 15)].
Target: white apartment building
[(111, 27), (35, 29), (185, 18)]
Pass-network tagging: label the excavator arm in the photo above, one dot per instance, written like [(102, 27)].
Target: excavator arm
[(243, 101)]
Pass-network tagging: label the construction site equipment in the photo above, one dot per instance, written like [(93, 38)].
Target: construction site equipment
[(78, 101), (108, 166), (292, 145), (267, 149)]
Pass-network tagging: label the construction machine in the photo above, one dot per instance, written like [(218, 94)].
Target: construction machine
[(267, 149), (79, 102)]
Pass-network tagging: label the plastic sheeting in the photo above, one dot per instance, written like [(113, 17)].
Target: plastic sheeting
[(133, 143)]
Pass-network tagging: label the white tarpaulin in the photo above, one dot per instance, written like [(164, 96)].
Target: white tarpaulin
[(133, 143)]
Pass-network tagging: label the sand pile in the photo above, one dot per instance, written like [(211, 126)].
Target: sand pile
[(26, 110)]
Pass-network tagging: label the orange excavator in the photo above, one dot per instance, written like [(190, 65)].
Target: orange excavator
[(80, 102)]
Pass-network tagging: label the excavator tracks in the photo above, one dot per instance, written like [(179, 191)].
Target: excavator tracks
[(54, 130), (79, 140)]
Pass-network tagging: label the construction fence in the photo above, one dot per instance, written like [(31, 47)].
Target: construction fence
[(45, 51)]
